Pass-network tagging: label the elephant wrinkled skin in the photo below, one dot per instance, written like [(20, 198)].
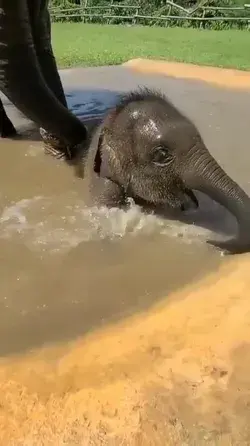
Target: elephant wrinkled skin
[(30, 79), (146, 149)]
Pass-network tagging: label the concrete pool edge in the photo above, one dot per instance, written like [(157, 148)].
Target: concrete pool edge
[(221, 77)]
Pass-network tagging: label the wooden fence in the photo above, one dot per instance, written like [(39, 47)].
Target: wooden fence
[(170, 12)]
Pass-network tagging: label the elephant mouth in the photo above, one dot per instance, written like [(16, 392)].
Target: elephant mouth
[(190, 200)]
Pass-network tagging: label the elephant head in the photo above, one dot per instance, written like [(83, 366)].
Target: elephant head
[(150, 151)]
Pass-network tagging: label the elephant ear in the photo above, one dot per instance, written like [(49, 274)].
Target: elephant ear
[(101, 167), (105, 155), (93, 145), (96, 146), (103, 191)]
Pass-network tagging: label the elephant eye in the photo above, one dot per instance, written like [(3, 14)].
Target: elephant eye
[(161, 156)]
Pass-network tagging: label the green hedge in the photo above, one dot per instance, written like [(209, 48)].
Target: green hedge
[(155, 8)]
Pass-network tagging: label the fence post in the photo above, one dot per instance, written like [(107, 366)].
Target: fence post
[(134, 21), (203, 15), (168, 13), (84, 3), (110, 11)]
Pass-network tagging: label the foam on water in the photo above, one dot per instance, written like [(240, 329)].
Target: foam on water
[(35, 222)]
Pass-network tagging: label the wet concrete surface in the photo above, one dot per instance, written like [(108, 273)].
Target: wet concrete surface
[(66, 269)]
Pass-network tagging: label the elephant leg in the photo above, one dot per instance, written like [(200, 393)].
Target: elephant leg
[(7, 129), (22, 81), (41, 31)]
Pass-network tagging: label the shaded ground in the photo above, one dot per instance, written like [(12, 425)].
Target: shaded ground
[(173, 372)]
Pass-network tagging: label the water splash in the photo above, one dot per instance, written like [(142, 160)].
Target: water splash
[(37, 224)]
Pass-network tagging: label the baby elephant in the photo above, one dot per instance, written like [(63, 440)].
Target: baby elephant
[(146, 149)]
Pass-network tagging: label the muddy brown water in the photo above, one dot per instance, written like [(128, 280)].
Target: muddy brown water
[(67, 269)]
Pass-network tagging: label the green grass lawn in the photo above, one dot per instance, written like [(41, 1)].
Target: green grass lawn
[(77, 44)]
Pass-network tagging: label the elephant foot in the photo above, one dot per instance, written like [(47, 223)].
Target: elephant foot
[(56, 148), (7, 129)]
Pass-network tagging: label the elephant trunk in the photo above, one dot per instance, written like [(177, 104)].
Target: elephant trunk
[(22, 81), (204, 174)]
